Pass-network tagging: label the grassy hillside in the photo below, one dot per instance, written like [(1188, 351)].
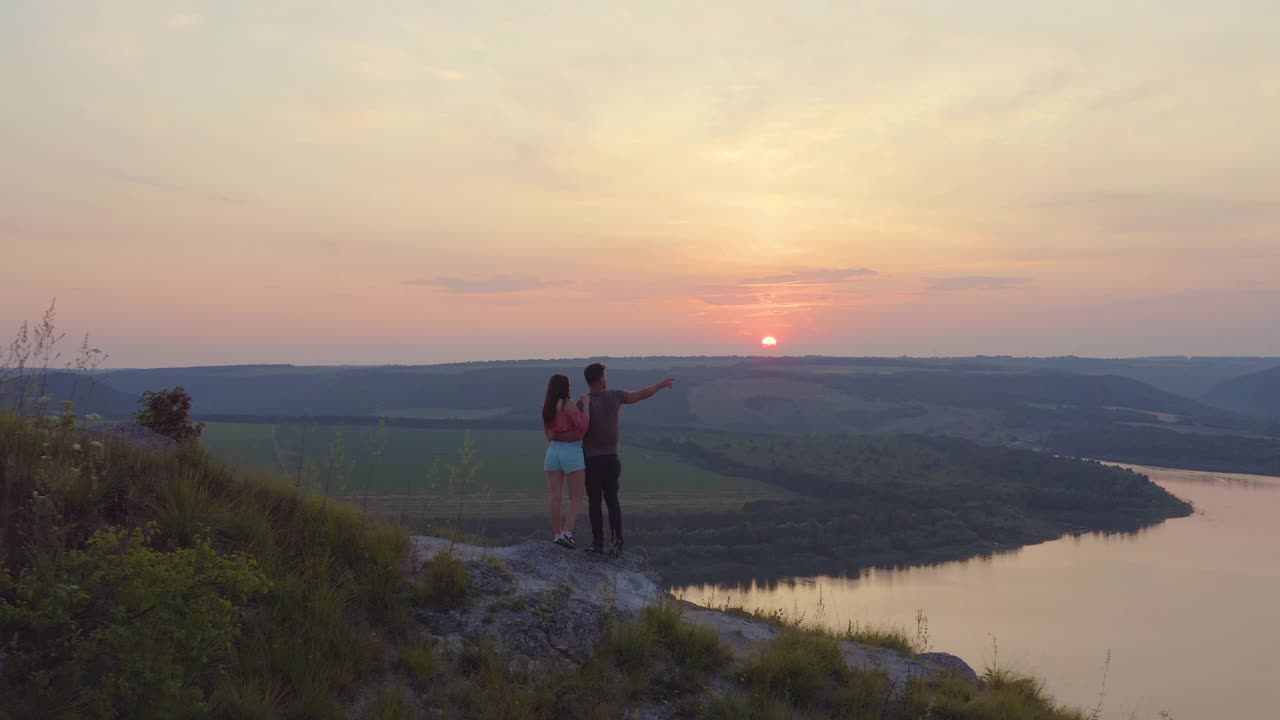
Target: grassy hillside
[(143, 585)]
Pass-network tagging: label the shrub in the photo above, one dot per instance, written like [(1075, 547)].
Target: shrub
[(445, 582), (419, 658), (121, 629), (1007, 696), (337, 586), (807, 671), (167, 413), (695, 649), (391, 705), (795, 667), (738, 708), (633, 648)]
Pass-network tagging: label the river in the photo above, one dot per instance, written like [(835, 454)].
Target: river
[(1186, 610)]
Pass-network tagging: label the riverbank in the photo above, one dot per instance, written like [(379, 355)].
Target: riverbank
[(1203, 587)]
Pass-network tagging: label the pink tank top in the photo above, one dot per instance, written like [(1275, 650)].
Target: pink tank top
[(566, 422)]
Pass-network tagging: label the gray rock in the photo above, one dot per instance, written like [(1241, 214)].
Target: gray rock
[(547, 608), (744, 636), (946, 662)]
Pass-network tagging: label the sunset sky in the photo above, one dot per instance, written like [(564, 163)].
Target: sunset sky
[(413, 182)]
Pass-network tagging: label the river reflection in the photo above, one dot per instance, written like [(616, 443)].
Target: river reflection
[(1186, 608)]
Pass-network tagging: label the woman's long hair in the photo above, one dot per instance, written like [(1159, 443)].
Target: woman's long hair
[(557, 390)]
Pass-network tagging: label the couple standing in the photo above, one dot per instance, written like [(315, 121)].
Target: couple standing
[(583, 453)]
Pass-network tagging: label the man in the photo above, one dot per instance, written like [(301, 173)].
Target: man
[(600, 446)]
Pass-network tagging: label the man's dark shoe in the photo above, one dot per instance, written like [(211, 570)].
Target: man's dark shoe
[(595, 550)]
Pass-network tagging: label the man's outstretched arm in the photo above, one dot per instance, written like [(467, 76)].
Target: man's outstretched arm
[(645, 394)]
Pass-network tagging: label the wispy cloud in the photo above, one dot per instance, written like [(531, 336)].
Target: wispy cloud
[(958, 283), (823, 276), (161, 184), (490, 285), (1139, 93), (1034, 89), (9, 228), (785, 295), (185, 21)]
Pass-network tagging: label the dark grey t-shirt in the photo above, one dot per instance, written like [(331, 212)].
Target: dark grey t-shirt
[(602, 434)]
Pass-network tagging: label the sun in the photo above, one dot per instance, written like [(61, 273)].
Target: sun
[(769, 341)]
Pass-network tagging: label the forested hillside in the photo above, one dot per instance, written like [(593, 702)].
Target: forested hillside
[(874, 501), (1256, 393)]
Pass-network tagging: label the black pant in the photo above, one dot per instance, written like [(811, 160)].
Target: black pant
[(603, 472)]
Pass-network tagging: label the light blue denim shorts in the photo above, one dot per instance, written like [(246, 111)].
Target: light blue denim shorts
[(565, 457)]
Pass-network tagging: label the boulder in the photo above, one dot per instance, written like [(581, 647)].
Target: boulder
[(547, 607)]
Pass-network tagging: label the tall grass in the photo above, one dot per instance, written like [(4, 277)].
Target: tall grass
[(891, 637), (336, 590)]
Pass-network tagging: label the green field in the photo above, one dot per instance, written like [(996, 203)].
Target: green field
[(509, 480), (245, 446)]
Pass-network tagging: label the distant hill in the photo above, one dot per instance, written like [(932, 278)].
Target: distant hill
[(1257, 393), (984, 404), (980, 398), (86, 394), (427, 392), (1192, 377), (990, 400)]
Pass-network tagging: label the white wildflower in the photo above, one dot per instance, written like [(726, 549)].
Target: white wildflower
[(45, 399), (76, 447), (95, 444), (93, 417)]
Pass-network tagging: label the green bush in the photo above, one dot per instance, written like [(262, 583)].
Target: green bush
[(391, 705), (337, 589), (695, 649), (807, 671), (445, 582), (795, 667), (419, 658), (120, 629), (633, 648), (1007, 696), (740, 708)]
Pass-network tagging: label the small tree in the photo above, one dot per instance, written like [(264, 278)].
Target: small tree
[(166, 413)]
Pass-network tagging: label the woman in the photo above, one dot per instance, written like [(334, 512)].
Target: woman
[(564, 461)]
